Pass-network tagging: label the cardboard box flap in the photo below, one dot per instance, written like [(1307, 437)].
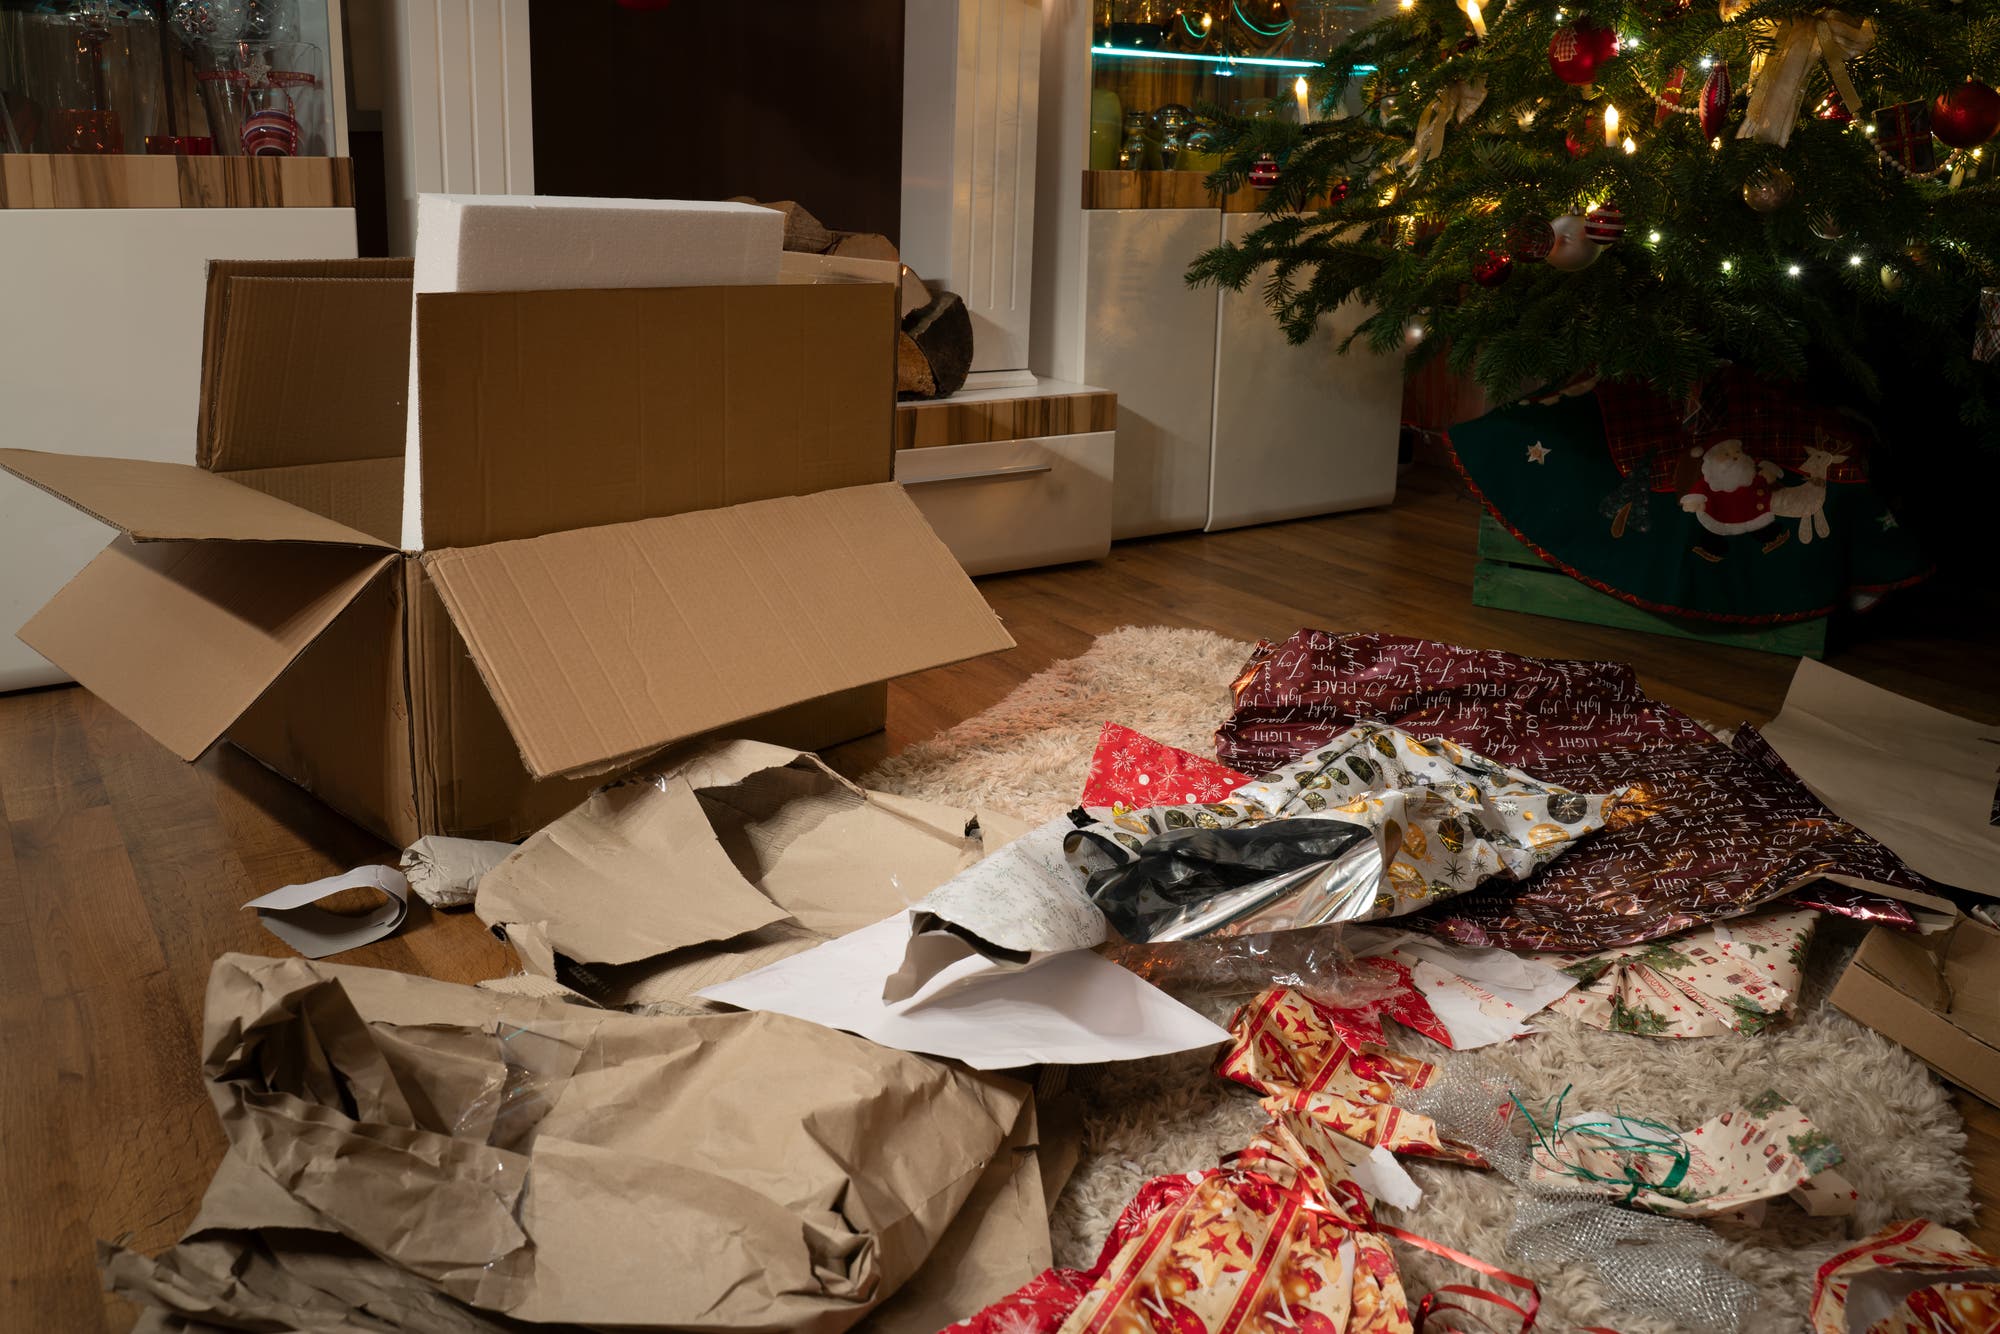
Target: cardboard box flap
[(173, 502), (545, 411), (182, 637), (306, 370), (602, 644)]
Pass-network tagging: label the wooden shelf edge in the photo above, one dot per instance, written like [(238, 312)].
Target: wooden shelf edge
[(133, 180)]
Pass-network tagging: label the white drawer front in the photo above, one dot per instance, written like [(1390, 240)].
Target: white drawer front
[(1013, 504)]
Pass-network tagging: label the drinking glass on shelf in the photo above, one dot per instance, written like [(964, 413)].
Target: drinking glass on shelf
[(264, 98)]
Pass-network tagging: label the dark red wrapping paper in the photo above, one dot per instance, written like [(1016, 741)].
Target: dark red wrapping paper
[(1729, 831)]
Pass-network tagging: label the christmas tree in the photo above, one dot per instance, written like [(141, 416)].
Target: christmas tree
[(1647, 192)]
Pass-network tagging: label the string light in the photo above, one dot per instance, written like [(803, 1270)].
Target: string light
[(1854, 261), (1610, 125), (1416, 333), (1729, 266), (1792, 270), (1653, 238), (1708, 62), (1631, 145)]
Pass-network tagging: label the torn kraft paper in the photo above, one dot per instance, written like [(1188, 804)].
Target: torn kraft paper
[(501, 1154)]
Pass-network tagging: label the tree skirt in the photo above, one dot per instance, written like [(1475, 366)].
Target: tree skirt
[(1894, 1122), (1757, 509)]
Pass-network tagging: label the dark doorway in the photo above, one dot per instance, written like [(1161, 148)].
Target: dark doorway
[(780, 99)]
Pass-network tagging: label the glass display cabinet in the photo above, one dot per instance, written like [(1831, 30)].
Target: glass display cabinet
[(198, 78)]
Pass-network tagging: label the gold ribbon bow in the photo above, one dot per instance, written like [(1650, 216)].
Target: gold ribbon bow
[(1453, 104), (1779, 86)]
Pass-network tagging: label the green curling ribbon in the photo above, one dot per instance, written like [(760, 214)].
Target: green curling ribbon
[(1632, 1146)]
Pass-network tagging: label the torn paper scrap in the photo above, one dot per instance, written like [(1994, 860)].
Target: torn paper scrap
[(1912, 1277), (1289, 1048), (1479, 996), (444, 872), (1729, 1166), (1923, 781), (1375, 824), (1737, 976), (1071, 1009), (292, 914)]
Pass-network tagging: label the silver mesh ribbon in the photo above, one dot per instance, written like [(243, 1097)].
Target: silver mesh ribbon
[(1656, 1264)]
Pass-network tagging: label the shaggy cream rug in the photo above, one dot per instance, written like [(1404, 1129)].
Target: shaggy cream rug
[(1894, 1122)]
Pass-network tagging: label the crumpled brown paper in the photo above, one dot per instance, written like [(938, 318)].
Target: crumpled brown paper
[(431, 1156), (731, 857)]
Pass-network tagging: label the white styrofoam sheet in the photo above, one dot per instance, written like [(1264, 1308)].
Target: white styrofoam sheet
[(100, 353)]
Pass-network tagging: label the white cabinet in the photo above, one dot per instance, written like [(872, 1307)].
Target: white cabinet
[(1154, 338), (1298, 430), (1015, 504)]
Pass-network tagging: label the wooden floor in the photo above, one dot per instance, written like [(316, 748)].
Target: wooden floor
[(121, 868)]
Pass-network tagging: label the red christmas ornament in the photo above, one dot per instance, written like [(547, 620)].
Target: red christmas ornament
[(1833, 109), (1264, 172), (1337, 192), (1715, 94), (1582, 139), (1576, 51), (1670, 95), (1496, 267), (1967, 116), (1531, 240), (1605, 223)]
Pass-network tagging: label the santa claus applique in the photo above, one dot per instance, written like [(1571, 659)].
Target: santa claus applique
[(1731, 496)]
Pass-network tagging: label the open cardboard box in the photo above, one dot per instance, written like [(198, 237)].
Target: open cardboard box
[(1933, 995), (649, 514)]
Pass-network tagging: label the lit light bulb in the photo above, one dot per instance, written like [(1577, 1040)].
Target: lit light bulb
[(1416, 333), (1854, 261), (1792, 270), (1406, 4), (1708, 62), (1631, 43), (1631, 145), (1610, 126), (1653, 237), (1472, 17), (1729, 266), (1716, 142), (1868, 129)]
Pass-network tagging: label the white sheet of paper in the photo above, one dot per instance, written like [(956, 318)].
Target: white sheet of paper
[(292, 916), (1072, 1009)]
